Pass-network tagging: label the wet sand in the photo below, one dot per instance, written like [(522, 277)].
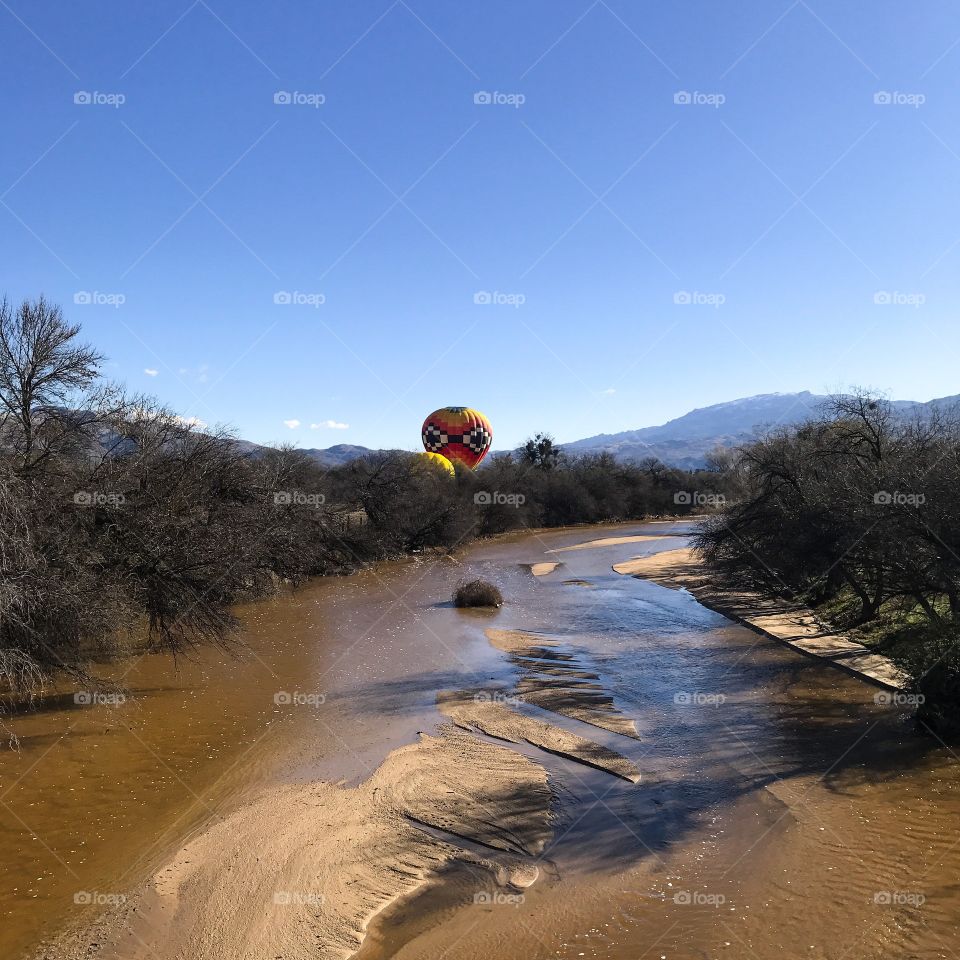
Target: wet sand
[(454, 793)]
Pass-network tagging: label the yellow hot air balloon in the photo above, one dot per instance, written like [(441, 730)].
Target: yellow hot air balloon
[(437, 462)]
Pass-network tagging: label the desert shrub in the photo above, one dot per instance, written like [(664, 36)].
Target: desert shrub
[(477, 593)]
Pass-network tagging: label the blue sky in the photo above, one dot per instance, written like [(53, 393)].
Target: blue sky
[(582, 253)]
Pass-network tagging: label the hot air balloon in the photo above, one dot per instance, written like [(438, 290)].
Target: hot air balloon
[(437, 462), (459, 433)]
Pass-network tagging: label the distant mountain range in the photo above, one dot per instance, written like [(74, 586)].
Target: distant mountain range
[(685, 441), (338, 454), (334, 456)]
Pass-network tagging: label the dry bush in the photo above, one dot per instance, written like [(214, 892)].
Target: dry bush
[(477, 593)]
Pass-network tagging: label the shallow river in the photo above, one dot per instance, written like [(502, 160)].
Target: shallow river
[(782, 811)]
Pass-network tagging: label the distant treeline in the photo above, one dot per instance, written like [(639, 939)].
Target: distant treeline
[(858, 512), (122, 525)]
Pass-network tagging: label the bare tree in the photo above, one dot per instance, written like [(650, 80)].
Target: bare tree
[(42, 371)]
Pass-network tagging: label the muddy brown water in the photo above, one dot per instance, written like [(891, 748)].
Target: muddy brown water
[(782, 810)]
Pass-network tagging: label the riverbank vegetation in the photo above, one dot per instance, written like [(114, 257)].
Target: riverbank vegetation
[(124, 526), (477, 593), (857, 512)]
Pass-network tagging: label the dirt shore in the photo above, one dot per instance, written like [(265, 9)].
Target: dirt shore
[(794, 624)]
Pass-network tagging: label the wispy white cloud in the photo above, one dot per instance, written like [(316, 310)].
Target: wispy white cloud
[(329, 425), (291, 424), (150, 372), (609, 391)]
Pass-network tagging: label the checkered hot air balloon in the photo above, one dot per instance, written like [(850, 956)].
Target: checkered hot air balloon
[(459, 433)]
